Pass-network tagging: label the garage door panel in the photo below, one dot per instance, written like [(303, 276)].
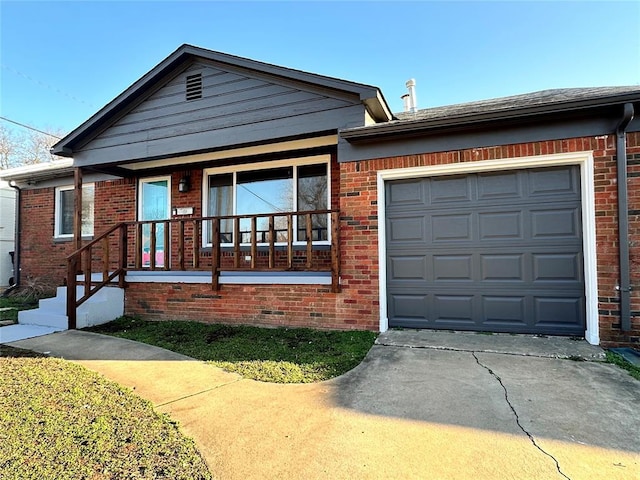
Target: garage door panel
[(500, 225), (504, 311), (555, 223), (498, 267), (445, 228), (411, 267), (560, 312), (450, 190), (553, 181), (412, 307), (557, 267), (453, 308), (453, 268), (405, 193), (406, 229), (492, 186), (489, 252)]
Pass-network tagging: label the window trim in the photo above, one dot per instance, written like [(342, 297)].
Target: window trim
[(57, 223), (234, 169), (149, 180)]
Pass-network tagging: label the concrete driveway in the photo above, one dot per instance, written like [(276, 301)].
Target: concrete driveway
[(422, 405)]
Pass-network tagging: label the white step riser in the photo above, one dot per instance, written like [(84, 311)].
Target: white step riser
[(53, 305)]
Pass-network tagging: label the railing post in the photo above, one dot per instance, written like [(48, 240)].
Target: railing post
[(72, 267), (152, 246), (105, 258), (122, 263), (272, 240), (309, 240), (138, 246), (254, 241), (289, 240), (167, 246), (196, 244), (181, 244), (215, 254), (335, 252), (236, 242), (87, 270)]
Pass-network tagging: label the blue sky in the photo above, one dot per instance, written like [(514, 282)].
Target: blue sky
[(61, 61)]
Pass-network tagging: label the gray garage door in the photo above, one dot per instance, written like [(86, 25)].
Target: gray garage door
[(498, 252)]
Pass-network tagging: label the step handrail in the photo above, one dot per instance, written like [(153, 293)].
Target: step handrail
[(74, 261)]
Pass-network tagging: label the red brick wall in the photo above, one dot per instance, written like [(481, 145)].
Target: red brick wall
[(42, 260), (359, 236), (354, 190)]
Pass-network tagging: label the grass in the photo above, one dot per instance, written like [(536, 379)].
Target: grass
[(15, 304), (278, 355), (619, 361), (59, 420)]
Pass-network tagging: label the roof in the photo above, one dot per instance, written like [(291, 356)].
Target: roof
[(371, 96), (38, 172), (513, 107)]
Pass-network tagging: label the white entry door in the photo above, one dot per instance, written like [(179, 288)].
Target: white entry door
[(154, 204)]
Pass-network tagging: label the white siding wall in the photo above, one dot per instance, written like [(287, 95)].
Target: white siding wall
[(7, 231)]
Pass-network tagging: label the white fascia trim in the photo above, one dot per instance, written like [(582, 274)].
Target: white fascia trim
[(583, 159)]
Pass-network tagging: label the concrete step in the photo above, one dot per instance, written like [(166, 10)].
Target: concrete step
[(13, 333), (106, 305), (43, 318)]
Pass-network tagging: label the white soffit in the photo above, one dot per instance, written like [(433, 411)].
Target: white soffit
[(304, 143)]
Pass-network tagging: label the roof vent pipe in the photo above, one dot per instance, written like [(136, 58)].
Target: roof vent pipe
[(412, 100), (406, 102)]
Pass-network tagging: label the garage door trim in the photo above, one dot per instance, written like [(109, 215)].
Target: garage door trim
[(585, 162)]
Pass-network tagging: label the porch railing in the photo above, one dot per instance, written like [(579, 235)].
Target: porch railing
[(291, 241)]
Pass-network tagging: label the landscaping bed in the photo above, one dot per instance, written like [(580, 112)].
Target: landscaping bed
[(279, 355)]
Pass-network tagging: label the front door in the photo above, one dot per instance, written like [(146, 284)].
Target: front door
[(155, 204)]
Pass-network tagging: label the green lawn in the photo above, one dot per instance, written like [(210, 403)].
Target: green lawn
[(61, 421), (622, 363), (9, 307), (280, 355)]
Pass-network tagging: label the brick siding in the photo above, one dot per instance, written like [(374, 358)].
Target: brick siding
[(354, 190)]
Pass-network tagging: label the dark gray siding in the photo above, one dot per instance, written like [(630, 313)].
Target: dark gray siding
[(428, 142), (236, 108)]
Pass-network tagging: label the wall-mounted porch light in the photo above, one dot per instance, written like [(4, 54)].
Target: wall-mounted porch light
[(184, 185)]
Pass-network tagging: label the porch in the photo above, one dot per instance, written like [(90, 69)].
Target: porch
[(285, 248)]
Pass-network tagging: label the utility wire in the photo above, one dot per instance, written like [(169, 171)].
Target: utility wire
[(45, 85), (29, 127), (275, 207)]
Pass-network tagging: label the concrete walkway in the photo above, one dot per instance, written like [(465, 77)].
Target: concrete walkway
[(413, 409)]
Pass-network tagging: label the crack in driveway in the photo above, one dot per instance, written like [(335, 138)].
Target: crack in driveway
[(506, 397), (169, 402)]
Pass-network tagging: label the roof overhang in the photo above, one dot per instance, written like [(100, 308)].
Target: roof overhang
[(463, 120), (38, 173)]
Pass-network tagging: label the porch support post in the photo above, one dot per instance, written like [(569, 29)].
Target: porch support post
[(77, 205), (72, 268)]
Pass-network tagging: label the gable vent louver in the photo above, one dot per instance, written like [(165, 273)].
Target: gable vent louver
[(194, 86)]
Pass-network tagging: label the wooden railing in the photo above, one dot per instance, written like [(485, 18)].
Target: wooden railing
[(236, 242)]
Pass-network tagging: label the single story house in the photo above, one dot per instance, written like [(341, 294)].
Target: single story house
[(223, 189)]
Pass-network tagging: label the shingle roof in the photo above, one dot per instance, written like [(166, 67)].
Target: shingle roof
[(505, 109), (541, 98)]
